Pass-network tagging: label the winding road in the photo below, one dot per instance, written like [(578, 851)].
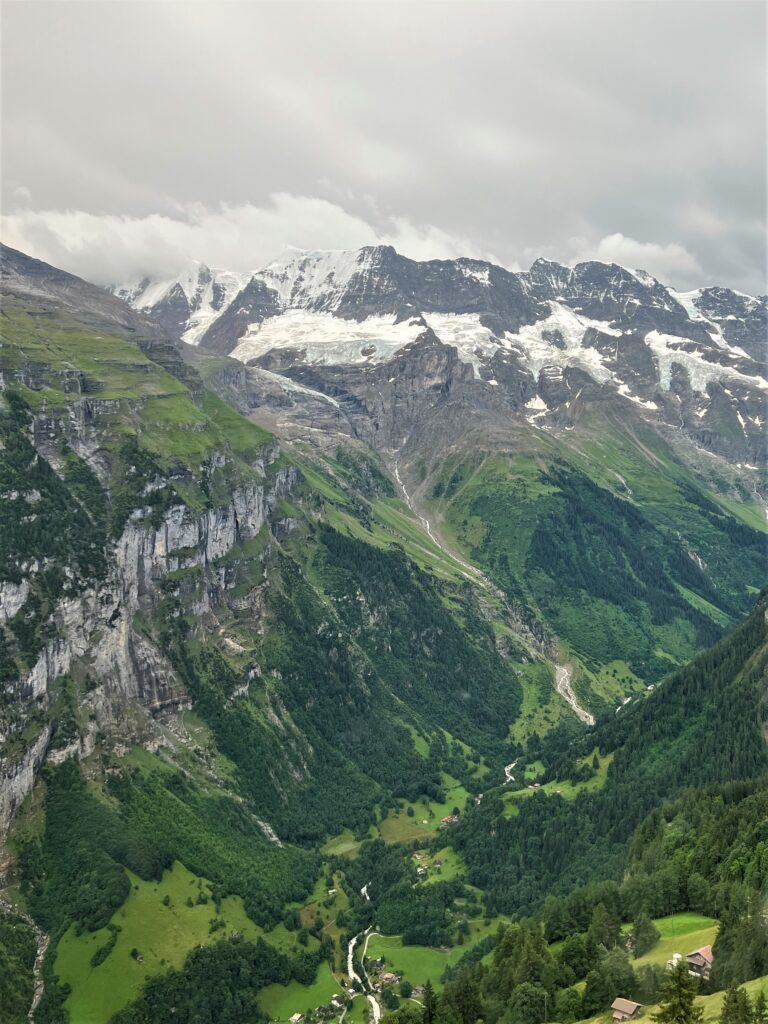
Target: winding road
[(563, 675), (365, 981)]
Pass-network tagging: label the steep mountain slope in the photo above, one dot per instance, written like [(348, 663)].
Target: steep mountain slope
[(593, 402), (186, 307), (210, 653), (609, 531), (145, 520), (228, 653), (659, 746)]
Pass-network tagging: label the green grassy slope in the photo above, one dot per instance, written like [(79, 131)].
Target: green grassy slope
[(621, 549)]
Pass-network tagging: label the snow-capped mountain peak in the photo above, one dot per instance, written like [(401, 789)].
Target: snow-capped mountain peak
[(186, 305), (318, 279), (691, 358)]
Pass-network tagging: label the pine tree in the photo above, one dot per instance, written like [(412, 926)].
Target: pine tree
[(760, 1009), (729, 1011), (677, 1004), (604, 928), (644, 935), (429, 1003)]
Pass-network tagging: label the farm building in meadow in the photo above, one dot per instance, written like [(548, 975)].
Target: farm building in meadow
[(700, 962), (625, 1009)]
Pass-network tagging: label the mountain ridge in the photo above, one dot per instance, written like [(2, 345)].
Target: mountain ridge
[(693, 360)]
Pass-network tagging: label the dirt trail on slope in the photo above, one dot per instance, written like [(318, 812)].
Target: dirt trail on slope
[(563, 685), (472, 572)]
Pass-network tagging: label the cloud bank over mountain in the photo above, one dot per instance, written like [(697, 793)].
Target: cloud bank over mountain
[(630, 131)]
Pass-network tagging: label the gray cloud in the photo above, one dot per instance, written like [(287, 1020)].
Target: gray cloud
[(138, 135)]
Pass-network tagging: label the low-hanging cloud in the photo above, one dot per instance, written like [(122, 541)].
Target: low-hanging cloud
[(112, 249), (496, 129), (670, 262)]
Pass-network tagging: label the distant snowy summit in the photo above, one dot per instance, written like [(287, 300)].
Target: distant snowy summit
[(187, 305), (698, 355), (219, 309)]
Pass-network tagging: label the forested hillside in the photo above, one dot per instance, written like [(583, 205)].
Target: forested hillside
[(705, 724)]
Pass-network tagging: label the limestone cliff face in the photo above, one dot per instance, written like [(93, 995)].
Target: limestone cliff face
[(131, 679), (18, 777)]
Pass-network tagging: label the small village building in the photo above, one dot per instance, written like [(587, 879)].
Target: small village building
[(700, 962), (625, 1009), (297, 1018), (377, 964), (388, 978)]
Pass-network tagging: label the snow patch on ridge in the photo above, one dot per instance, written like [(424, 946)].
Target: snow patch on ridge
[(667, 349), (537, 351), (315, 279), (623, 389), (328, 340), (208, 292)]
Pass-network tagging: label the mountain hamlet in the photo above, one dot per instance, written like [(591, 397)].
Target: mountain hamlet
[(382, 638)]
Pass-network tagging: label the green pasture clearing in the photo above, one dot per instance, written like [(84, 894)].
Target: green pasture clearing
[(162, 935), (419, 964), (280, 1002), (451, 865), (680, 933), (343, 845), (563, 787), (399, 827)]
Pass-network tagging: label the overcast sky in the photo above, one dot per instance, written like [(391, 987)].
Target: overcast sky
[(140, 135)]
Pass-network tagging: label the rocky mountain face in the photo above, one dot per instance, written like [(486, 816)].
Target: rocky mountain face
[(596, 369), (69, 609), (158, 549), (694, 361), (185, 307)]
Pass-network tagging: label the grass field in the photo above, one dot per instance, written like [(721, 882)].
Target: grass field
[(399, 827), (419, 964), (711, 1005), (356, 1014), (680, 933), (542, 708), (162, 934), (567, 790), (451, 866), (344, 845), (281, 1001)]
